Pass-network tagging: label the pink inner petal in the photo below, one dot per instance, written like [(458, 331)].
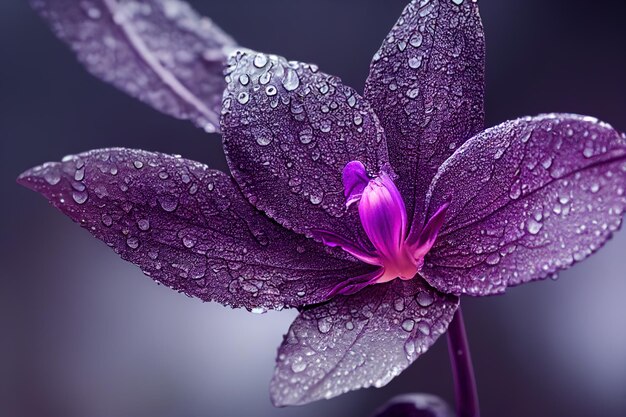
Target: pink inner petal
[(421, 243), (353, 248), (383, 216), (355, 284), (355, 180)]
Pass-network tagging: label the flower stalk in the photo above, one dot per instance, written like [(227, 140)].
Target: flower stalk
[(462, 369)]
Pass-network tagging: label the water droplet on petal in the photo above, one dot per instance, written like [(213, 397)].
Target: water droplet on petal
[(415, 62), (324, 324), (80, 197), (260, 60), (416, 40), (291, 80), (107, 220), (408, 324), (424, 298), (298, 365), (143, 224), (168, 202), (132, 242), (270, 90), (243, 97), (533, 226), (52, 177)]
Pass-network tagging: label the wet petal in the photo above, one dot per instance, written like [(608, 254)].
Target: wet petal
[(355, 180), (159, 51), (355, 249), (189, 228), (358, 341), (356, 284), (415, 405), (423, 241), (289, 131), (528, 198), (426, 85)]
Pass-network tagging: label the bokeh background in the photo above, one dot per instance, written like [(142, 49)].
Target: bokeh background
[(84, 334)]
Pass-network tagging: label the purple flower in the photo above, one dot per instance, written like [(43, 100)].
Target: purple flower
[(333, 195)]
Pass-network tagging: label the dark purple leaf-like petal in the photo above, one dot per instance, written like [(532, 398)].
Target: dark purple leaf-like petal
[(426, 85), (289, 131), (528, 198), (415, 405), (160, 51), (190, 228), (358, 341)]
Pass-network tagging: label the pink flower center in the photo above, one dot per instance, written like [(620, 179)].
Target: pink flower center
[(397, 253)]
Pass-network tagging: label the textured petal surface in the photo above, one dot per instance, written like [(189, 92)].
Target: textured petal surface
[(159, 51), (289, 131), (415, 405), (528, 198), (426, 85), (189, 227), (358, 341)]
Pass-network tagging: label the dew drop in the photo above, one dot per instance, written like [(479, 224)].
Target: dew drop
[(416, 40), (413, 93), (52, 177), (244, 79), (493, 259), (168, 203), (243, 97), (79, 197), (132, 242), (79, 175), (533, 226), (298, 365), (408, 324), (516, 191), (270, 90), (264, 140), (324, 324), (143, 224), (424, 298), (189, 242), (306, 136), (138, 164), (106, 220), (316, 198), (415, 62), (423, 328), (291, 80), (260, 60)]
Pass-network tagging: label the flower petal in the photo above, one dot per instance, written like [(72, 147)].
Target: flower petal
[(189, 228), (355, 180), (289, 131), (358, 341), (423, 241), (159, 51), (415, 405), (528, 198), (356, 249), (426, 85)]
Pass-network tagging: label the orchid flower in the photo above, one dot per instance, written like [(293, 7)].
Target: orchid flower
[(372, 214)]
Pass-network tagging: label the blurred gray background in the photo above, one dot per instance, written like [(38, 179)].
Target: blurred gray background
[(84, 334)]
